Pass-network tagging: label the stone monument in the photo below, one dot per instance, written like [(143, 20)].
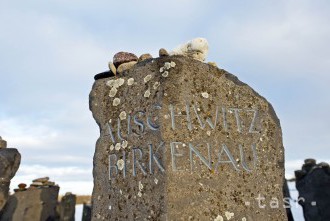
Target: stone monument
[(184, 140), (38, 202), (67, 207), (313, 184), (10, 160)]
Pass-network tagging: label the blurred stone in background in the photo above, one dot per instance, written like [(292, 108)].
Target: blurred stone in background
[(313, 184), (10, 160)]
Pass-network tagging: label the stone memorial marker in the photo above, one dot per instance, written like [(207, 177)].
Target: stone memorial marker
[(67, 207), (184, 140), (313, 184), (10, 160), (32, 204)]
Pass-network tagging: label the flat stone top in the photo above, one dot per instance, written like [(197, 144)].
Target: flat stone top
[(184, 140)]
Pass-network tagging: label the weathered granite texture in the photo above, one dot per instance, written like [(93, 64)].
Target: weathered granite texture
[(184, 140), (313, 184), (32, 204), (67, 207), (10, 160)]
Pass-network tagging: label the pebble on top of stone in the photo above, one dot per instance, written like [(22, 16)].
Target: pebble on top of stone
[(144, 57), (123, 57), (163, 52)]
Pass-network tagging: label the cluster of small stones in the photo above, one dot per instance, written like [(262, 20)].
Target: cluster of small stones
[(42, 182)]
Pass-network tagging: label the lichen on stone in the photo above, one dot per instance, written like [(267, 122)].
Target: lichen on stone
[(218, 218), (156, 85), (130, 81), (165, 74), (117, 146), (173, 64), (113, 92), (205, 94), (147, 93), (229, 215), (122, 115), (124, 144), (147, 78), (116, 101), (120, 164)]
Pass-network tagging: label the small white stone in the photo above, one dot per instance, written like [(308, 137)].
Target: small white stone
[(122, 115), (173, 64), (121, 192), (147, 93), (167, 65), (120, 164), (156, 85), (229, 215), (110, 120), (116, 101), (112, 147), (166, 116), (243, 219), (165, 94), (147, 78), (109, 207), (113, 92), (205, 94), (139, 194), (208, 133), (117, 146), (165, 74), (130, 81), (161, 69), (218, 218), (124, 144), (156, 181)]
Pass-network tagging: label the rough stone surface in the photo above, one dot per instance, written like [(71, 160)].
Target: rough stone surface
[(10, 160), (163, 52), (125, 66), (313, 182), (194, 143), (123, 57), (67, 207), (33, 204), (144, 57)]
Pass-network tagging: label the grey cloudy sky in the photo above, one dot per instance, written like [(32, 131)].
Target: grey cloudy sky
[(50, 51)]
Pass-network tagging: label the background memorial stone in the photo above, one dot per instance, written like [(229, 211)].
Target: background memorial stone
[(67, 207), (87, 212), (10, 160), (313, 183), (195, 144), (33, 204)]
